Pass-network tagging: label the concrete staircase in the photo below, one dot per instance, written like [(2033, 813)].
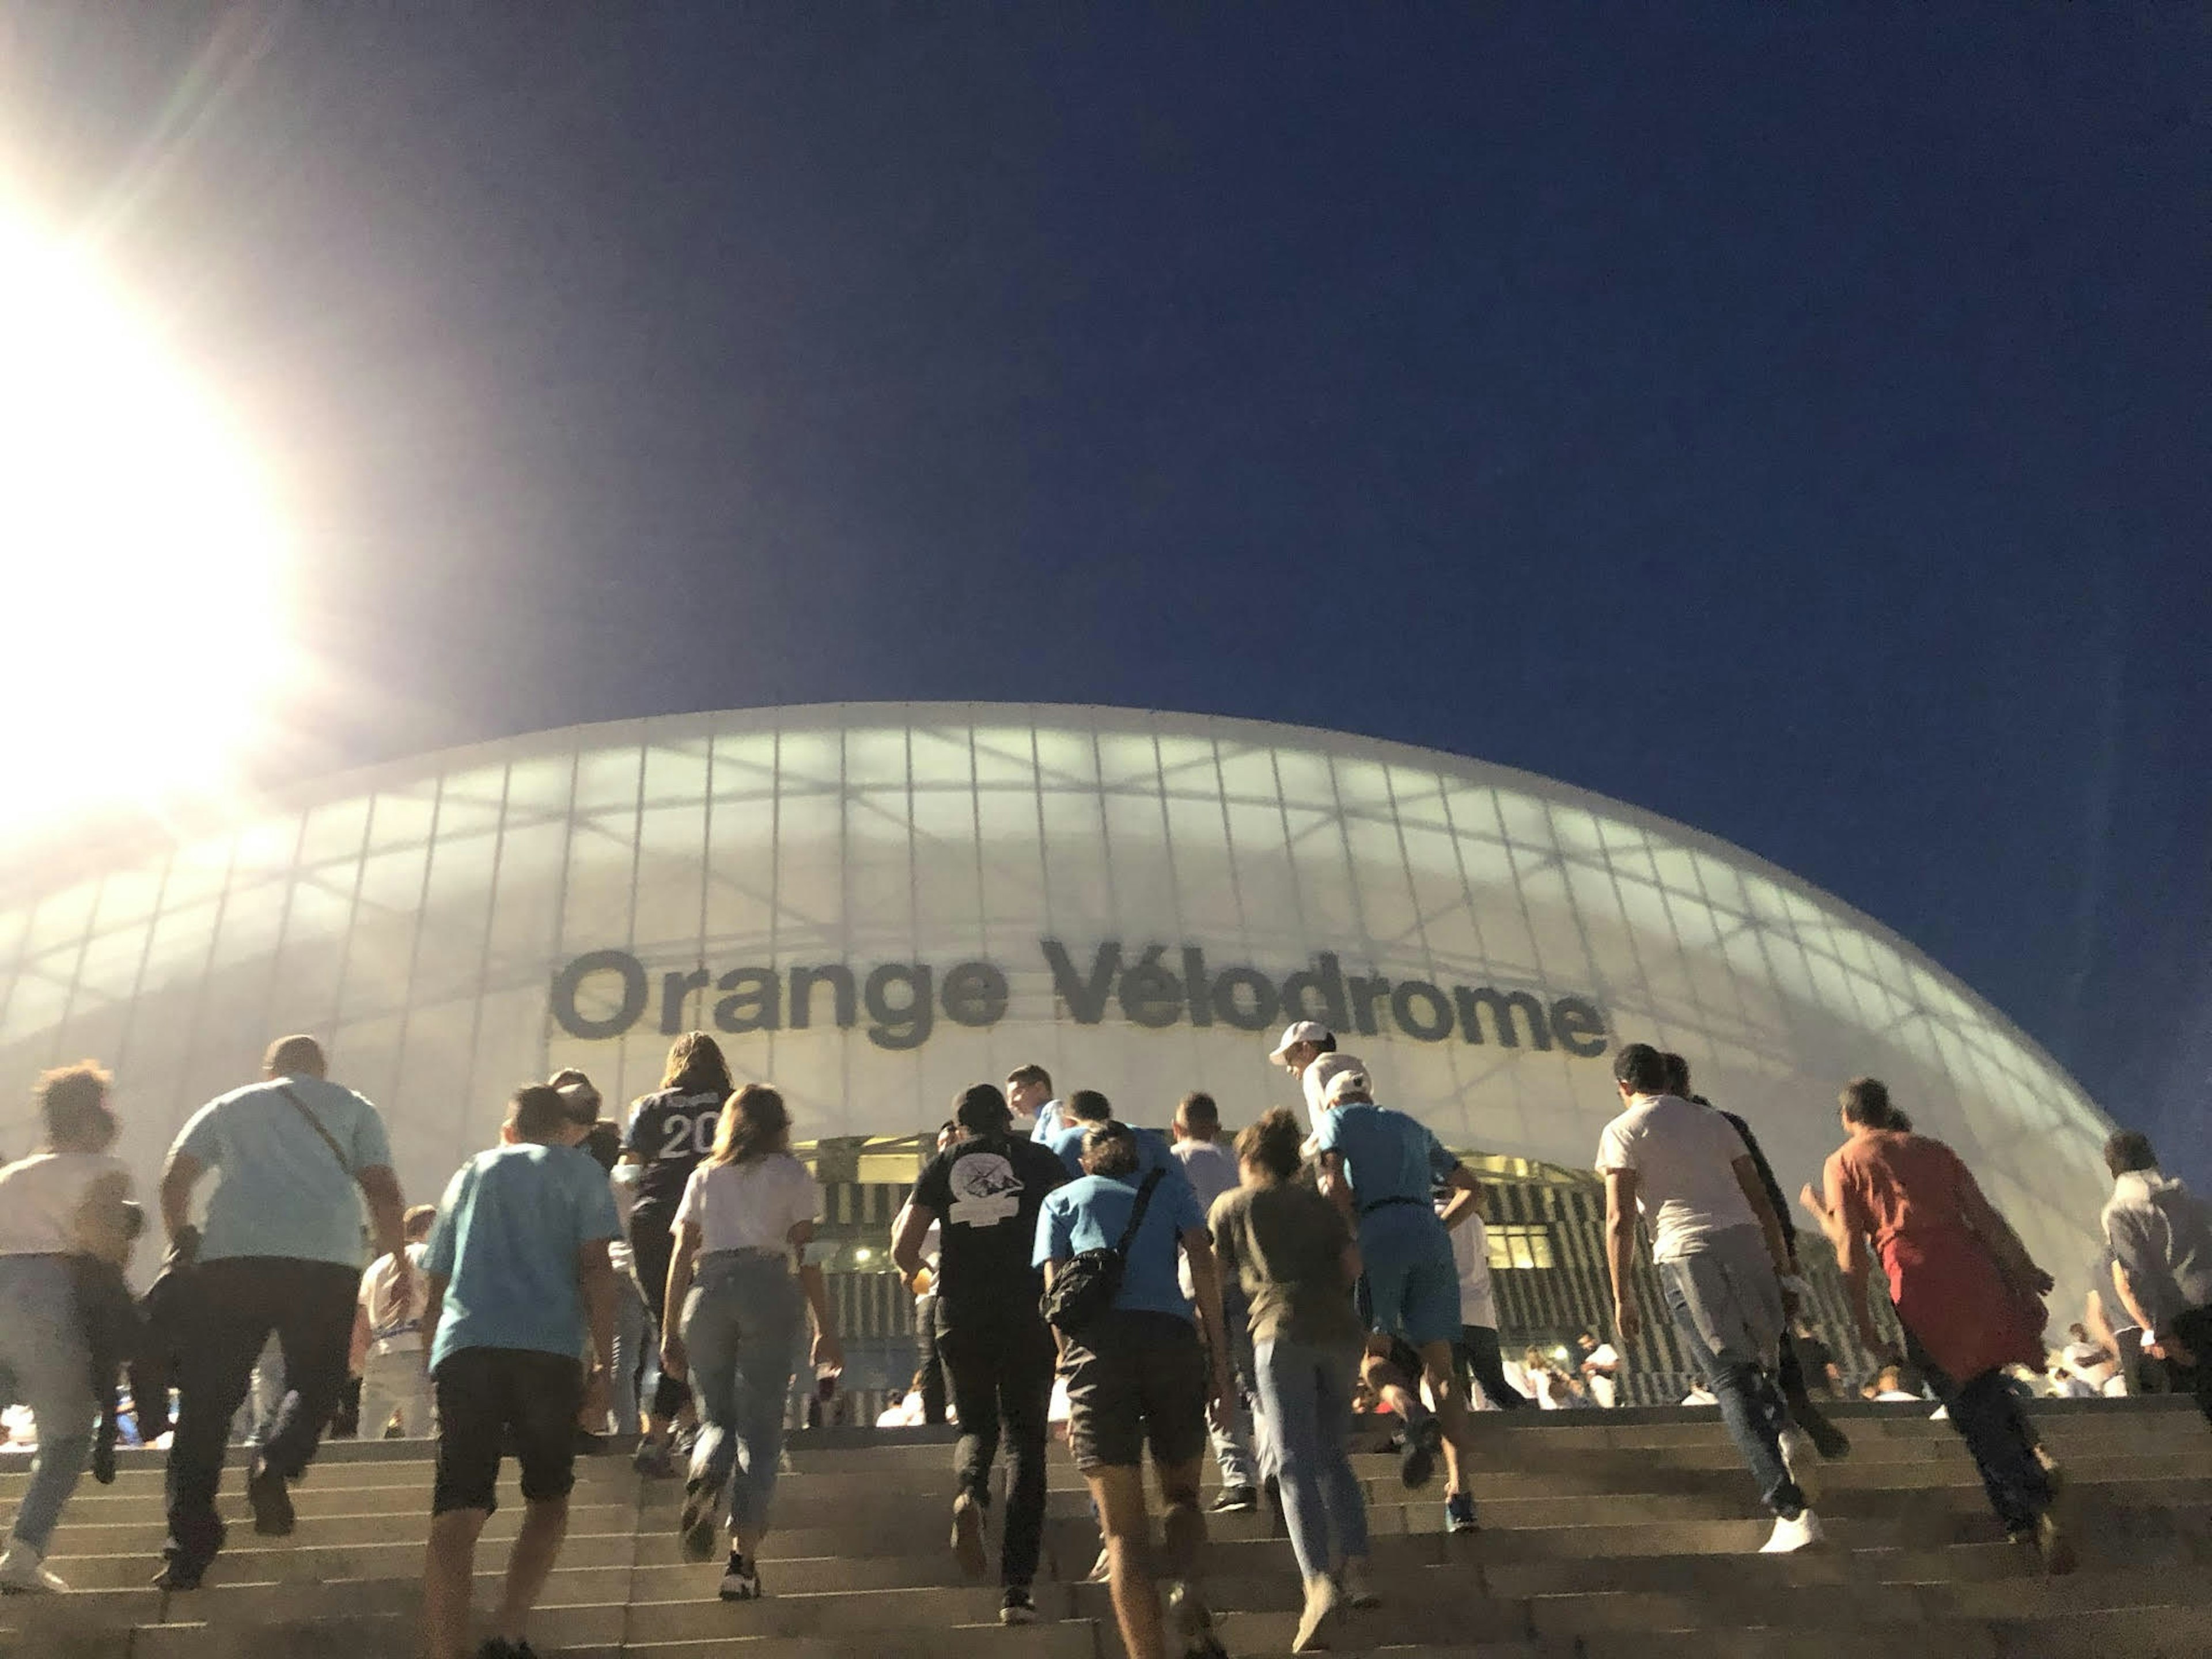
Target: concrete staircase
[(1607, 1535)]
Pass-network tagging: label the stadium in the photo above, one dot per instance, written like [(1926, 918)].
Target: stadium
[(874, 905)]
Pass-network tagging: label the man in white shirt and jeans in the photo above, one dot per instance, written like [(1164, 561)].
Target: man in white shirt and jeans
[(1720, 1257), (389, 1346), (1211, 1167)]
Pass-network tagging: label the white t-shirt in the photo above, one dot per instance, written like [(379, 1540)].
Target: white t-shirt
[(393, 1328), (1684, 1155), (750, 1206), (40, 1195), (1212, 1168), (621, 1180), (1478, 1298)]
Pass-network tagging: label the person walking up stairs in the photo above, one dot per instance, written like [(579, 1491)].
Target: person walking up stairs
[(519, 1271)]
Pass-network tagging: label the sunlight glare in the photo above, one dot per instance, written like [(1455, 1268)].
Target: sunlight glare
[(140, 555)]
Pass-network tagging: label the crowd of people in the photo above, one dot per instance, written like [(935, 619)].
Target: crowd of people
[(1185, 1294)]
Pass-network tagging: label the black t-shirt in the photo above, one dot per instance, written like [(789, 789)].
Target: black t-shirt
[(986, 1193), (673, 1133)]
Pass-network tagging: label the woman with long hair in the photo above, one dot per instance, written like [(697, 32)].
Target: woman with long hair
[(745, 1212), (671, 1132), (1965, 1288)]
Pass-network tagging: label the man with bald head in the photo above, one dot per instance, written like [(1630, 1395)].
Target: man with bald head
[(295, 1156)]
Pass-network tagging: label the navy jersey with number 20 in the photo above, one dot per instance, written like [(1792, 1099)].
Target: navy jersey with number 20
[(673, 1133)]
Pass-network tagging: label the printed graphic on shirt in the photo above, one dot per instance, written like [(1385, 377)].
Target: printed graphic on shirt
[(985, 1191)]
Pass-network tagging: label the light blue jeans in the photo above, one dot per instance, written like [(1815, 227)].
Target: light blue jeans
[(741, 1327), (635, 1341), (1305, 1395), (42, 1347)]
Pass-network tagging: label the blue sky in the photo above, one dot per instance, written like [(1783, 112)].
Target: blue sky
[(1790, 422)]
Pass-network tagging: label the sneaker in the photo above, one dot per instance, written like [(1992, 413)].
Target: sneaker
[(23, 1571), (1101, 1570), (1237, 1500), (1416, 1462), (1459, 1512), (1017, 1608), (697, 1527), (968, 1534), (1353, 1587), (1831, 1442), (1322, 1596), (1191, 1623), (740, 1580), (272, 1502), (652, 1460), (1790, 1535), (1800, 1457), (2052, 1544)]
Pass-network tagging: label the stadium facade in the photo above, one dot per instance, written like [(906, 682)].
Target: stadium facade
[(877, 904)]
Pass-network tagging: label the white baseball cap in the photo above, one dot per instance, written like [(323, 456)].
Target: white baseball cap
[(1304, 1030), (1333, 1076)]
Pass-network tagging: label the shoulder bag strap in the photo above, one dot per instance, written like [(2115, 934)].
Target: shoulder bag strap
[(1137, 1214), (316, 1124)]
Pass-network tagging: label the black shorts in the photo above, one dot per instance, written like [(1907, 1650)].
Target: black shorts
[(491, 1399), (1135, 1379)]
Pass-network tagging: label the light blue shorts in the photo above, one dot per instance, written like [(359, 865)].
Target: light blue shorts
[(1412, 1282)]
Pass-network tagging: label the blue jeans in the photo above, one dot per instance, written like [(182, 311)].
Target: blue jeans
[(637, 1353), (1305, 1394), (741, 1327), (1235, 1451), (42, 1347), (1719, 1299)]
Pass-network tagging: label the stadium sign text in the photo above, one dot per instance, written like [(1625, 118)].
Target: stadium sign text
[(1153, 989)]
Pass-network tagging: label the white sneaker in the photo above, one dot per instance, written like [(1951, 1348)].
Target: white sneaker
[(1101, 1570), (23, 1572), (1803, 1463), (1790, 1536)]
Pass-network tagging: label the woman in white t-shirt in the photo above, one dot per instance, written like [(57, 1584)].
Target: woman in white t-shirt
[(744, 1214), (70, 1200)]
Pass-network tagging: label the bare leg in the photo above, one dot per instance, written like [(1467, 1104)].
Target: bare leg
[(536, 1547), (449, 1569), (1119, 1493), (1183, 1531), (1451, 1413)]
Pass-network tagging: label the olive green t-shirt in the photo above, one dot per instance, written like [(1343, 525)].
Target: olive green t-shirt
[(1285, 1246)]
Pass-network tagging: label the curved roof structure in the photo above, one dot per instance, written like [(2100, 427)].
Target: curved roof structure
[(878, 903)]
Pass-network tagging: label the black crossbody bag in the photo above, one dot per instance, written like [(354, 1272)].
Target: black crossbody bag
[(1085, 1286)]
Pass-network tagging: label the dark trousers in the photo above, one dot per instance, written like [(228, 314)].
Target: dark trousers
[(651, 1247), (1986, 1412), (1476, 1351), (2194, 1330), (1831, 1441), (932, 1362), (236, 1303), (1000, 1366)]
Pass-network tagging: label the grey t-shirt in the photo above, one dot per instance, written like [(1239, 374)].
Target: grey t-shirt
[(1285, 1246)]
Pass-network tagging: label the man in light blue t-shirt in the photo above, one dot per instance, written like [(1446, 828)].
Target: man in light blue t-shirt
[(295, 1156), (1379, 1167), (1138, 1375), (1086, 1109), (519, 1273)]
